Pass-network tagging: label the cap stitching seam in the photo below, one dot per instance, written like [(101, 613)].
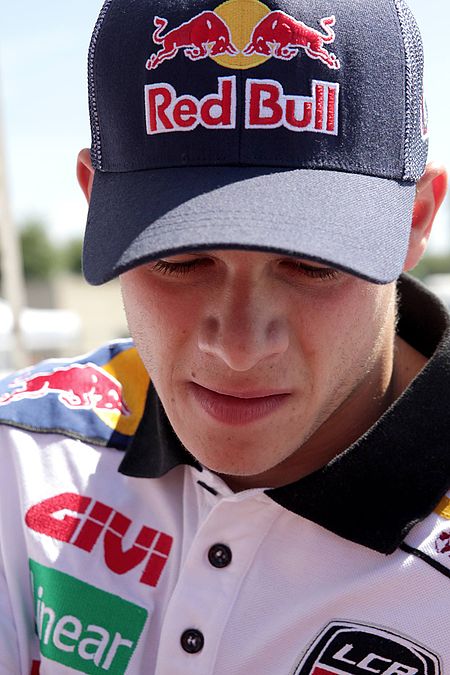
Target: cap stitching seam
[(402, 31), (96, 150), (313, 165)]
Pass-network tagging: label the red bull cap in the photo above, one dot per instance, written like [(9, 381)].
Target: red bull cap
[(296, 126)]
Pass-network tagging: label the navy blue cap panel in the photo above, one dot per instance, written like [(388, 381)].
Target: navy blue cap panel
[(345, 106)]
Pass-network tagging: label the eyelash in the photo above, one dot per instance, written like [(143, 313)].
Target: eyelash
[(323, 273), (177, 269), (182, 268)]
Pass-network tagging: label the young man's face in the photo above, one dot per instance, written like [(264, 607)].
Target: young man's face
[(260, 359)]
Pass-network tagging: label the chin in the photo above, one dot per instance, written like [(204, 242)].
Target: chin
[(240, 462)]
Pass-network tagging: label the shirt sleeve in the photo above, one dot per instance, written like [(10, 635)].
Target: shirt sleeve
[(18, 640), (9, 645)]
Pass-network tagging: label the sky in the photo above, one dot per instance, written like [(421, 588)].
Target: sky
[(43, 55)]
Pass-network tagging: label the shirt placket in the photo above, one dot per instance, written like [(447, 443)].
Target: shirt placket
[(213, 572)]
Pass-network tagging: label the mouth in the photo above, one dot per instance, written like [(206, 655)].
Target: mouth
[(238, 408)]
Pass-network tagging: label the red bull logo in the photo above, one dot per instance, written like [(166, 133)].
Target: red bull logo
[(79, 387), (241, 34)]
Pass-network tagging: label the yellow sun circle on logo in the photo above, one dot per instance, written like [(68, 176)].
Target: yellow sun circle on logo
[(241, 16)]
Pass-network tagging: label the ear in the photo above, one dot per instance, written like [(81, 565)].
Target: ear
[(85, 172), (431, 191)]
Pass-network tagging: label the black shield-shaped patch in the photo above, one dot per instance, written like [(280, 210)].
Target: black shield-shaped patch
[(345, 648)]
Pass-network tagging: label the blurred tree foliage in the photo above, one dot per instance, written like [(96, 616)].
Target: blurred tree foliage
[(70, 256), (39, 254), (432, 264), (42, 259)]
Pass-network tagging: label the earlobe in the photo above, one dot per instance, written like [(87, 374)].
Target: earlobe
[(85, 172), (431, 191)]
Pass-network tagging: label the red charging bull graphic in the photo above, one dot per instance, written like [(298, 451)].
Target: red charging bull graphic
[(203, 36), (79, 387), (277, 35), (281, 36)]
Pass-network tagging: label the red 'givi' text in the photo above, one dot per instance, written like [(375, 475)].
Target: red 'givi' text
[(99, 522)]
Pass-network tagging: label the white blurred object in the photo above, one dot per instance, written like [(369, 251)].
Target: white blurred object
[(440, 285), (48, 329), (6, 327), (42, 330)]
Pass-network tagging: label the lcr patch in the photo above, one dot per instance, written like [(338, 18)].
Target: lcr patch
[(346, 648)]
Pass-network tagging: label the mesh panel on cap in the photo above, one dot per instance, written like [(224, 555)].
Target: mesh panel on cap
[(96, 148), (416, 147)]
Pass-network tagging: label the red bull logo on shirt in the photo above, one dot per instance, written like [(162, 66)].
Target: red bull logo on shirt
[(78, 386)]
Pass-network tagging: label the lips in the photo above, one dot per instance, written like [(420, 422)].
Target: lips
[(238, 408)]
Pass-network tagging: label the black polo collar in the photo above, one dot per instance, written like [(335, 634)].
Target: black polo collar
[(382, 485)]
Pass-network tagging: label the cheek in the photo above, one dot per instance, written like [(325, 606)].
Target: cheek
[(160, 322), (345, 332)]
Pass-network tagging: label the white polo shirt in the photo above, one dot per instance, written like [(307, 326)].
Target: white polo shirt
[(148, 563)]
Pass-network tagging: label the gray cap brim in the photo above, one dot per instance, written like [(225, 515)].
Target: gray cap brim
[(360, 224)]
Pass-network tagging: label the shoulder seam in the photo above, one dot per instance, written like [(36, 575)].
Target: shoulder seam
[(59, 432)]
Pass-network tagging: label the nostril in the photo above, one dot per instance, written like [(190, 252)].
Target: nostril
[(273, 329)]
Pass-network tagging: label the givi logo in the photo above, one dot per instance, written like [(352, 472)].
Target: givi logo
[(89, 524)]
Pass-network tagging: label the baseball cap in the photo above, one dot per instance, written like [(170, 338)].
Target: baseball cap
[(295, 126)]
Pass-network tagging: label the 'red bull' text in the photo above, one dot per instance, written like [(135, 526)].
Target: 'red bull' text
[(267, 106)]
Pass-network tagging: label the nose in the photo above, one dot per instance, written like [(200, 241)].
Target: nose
[(243, 328)]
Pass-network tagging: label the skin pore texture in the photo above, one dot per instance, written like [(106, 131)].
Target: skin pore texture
[(269, 366)]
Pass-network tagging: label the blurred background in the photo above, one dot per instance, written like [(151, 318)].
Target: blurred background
[(44, 123)]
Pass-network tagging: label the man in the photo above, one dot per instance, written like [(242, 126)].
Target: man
[(274, 500)]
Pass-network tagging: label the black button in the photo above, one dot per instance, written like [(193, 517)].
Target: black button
[(220, 555), (192, 641)]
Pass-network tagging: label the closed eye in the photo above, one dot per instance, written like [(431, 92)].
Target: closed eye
[(179, 268), (312, 271)]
